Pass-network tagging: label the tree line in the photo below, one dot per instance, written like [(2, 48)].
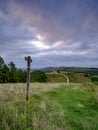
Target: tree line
[(9, 73)]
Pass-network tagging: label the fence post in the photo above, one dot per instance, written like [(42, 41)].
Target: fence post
[(29, 60)]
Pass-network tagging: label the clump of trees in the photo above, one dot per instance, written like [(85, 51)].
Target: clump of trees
[(10, 74)]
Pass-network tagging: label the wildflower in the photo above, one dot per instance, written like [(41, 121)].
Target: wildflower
[(30, 101), (21, 95), (16, 101), (34, 124), (23, 116), (53, 126)]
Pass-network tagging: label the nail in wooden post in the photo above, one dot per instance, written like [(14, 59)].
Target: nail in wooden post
[(29, 60)]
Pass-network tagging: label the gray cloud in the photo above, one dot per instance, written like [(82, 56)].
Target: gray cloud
[(52, 32)]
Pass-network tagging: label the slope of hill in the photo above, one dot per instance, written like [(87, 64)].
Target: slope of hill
[(54, 77)]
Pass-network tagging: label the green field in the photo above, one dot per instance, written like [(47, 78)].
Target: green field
[(51, 106)]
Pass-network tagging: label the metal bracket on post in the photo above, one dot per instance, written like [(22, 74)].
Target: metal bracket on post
[(29, 60)]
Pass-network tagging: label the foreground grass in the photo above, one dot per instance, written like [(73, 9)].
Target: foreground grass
[(50, 107)]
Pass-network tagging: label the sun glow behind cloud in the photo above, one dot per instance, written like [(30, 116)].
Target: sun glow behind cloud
[(39, 44), (39, 37)]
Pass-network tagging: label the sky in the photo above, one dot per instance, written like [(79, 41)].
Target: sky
[(52, 32)]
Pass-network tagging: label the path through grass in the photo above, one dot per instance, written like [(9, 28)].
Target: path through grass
[(50, 107)]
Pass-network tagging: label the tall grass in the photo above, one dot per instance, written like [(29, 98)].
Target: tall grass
[(50, 107)]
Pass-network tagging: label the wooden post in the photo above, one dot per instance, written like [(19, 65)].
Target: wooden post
[(29, 60)]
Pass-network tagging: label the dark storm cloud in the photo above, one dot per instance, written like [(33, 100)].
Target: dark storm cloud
[(54, 30)]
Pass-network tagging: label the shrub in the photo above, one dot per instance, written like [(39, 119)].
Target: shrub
[(38, 76)]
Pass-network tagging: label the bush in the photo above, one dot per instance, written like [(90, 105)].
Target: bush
[(94, 78), (38, 76)]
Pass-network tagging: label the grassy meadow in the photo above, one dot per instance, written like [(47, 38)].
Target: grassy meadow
[(51, 106)]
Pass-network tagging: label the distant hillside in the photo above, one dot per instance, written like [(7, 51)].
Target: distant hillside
[(80, 70), (54, 77)]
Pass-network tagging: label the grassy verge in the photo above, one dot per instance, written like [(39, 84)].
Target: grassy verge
[(50, 107)]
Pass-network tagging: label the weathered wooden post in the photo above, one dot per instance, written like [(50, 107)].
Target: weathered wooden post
[(29, 60)]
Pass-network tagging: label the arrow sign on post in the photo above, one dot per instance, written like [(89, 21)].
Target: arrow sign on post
[(29, 60)]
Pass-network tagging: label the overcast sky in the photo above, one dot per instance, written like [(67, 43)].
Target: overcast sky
[(52, 32)]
